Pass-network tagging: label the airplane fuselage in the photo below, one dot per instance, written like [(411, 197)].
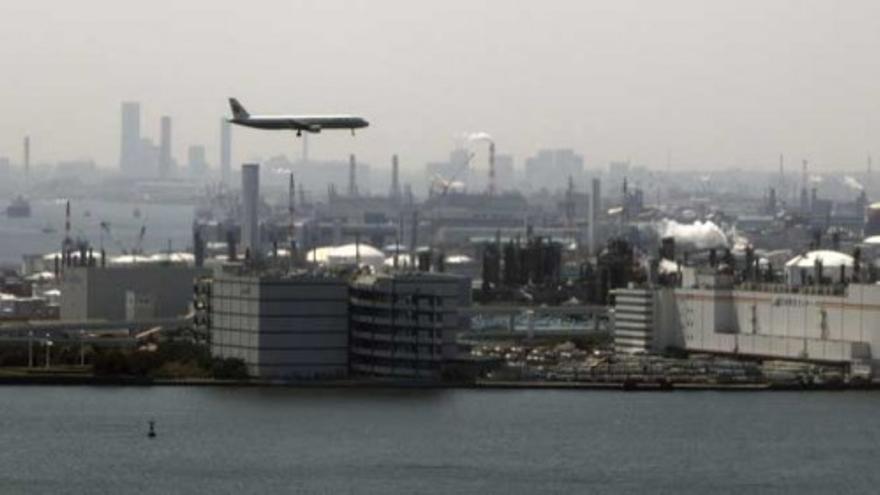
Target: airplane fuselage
[(298, 123), (309, 123)]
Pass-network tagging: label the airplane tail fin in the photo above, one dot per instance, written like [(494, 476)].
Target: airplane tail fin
[(238, 111)]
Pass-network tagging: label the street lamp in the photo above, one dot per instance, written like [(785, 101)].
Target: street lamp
[(48, 347)]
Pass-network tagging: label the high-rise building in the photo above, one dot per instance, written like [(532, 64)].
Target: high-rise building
[(129, 151), (165, 163), (196, 162), (549, 168), (225, 150)]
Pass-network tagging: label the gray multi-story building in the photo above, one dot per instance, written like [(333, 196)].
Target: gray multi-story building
[(291, 326), (550, 169), (129, 151), (94, 292), (165, 161), (403, 325)]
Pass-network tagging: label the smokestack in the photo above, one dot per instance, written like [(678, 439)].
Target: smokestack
[(198, 247), (225, 150), (291, 210), (395, 179), (67, 225), (782, 175), (352, 176), (491, 168), (27, 156), (414, 238), (250, 222)]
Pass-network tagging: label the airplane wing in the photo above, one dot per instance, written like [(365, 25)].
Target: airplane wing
[(302, 126)]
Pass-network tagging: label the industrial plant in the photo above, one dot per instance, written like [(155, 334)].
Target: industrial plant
[(292, 269)]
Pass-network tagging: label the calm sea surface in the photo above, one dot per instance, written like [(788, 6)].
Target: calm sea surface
[(250, 440)]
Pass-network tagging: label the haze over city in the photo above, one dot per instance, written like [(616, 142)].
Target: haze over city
[(440, 246), (707, 84)]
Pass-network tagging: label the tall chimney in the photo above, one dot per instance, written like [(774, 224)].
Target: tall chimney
[(27, 156), (352, 176), (395, 179), (291, 210), (250, 197), (491, 168)]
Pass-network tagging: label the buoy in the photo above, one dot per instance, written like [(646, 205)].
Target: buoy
[(152, 433)]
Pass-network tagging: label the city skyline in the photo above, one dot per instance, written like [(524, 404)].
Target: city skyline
[(726, 84)]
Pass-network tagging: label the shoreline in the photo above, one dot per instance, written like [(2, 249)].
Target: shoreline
[(123, 381)]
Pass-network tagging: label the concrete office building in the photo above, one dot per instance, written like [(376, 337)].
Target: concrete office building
[(93, 292), (281, 327), (403, 325)]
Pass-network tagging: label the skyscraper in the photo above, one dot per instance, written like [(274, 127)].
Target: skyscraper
[(198, 166), (225, 150), (129, 150), (165, 164)]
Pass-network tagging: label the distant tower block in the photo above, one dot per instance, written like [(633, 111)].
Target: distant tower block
[(491, 168), (352, 176), (595, 208), (250, 224), (165, 147), (27, 156), (131, 136), (225, 150), (395, 178)]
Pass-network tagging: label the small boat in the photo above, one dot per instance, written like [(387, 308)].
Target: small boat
[(49, 229), (19, 208), (152, 432)]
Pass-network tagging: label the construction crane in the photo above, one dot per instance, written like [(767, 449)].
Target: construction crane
[(446, 184), (139, 243), (137, 248)]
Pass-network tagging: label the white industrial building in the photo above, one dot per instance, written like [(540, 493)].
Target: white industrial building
[(291, 326), (823, 323)]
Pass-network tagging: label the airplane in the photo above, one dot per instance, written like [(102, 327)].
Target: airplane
[(298, 123)]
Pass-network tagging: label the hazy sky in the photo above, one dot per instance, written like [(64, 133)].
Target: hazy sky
[(716, 82)]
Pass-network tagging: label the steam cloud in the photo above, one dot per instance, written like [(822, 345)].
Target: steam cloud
[(479, 136), (701, 235), (853, 184)]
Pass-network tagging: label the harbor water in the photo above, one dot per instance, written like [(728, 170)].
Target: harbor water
[(43, 231), (276, 440)]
